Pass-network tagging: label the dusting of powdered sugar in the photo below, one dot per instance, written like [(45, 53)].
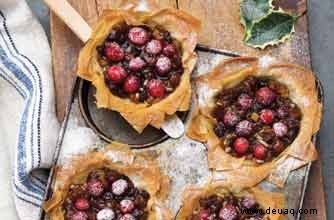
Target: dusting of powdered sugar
[(205, 64), (265, 61)]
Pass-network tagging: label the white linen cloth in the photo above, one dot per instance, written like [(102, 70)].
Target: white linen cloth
[(28, 125)]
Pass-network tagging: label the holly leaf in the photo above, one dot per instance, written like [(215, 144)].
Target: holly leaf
[(272, 29), (253, 10)]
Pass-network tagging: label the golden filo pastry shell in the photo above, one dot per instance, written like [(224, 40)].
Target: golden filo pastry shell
[(141, 169), (192, 194), (302, 91), (183, 28)]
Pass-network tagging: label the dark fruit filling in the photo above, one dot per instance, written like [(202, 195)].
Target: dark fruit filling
[(106, 195), (256, 119), (141, 63), (228, 207)]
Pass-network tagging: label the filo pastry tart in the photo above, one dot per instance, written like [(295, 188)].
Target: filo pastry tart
[(219, 200), (140, 63), (257, 119), (113, 183)]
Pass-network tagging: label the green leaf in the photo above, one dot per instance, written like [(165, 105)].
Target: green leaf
[(272, 29), (253, 10)]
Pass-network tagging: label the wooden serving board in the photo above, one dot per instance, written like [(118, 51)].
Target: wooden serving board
[(221, 29)]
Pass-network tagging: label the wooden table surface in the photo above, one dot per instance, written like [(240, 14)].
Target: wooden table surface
[(221, 29)]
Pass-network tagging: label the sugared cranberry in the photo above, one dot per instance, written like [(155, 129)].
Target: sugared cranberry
[(136, 64), (95, 187), (245, 101), (169, 50), (204, 214), (248, 202), (156, 88), (138, 35), (117, 74), (131, 84), (265, 96), (267, 116), (126, 206), (114, 52), (280, 129), (241, 145), (81, 204), (283, 111), (127, 217), (260, 152), (220, 129), (244, 128), (163, 65), (106, 214), (228, 212), (231, 118), (119, 187), (80, 215), (153, 47)]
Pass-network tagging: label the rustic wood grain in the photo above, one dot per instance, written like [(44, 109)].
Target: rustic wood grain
[(221, 29)]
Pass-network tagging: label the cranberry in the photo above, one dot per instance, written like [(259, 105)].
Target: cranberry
[(81, 204), (95, 187), (231, 118), (169, 50), (278, 147), (175, 79), (163, 65), (283, 111), (280, 129), (153, 47), (106, 214), (220, 129), (267, 116), (127, 217), (241, 145), (131, 84), (156, 88), (265, 96), (248, 202), (114, 52), (126, 206), (79, 216), (119, 187), (245, 101), (136, 64), (117, 74), (244, 128), (228, 212), (260, 152), (138, 35), (204, 214)]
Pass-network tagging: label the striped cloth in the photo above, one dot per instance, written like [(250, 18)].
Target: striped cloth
[(28, 125)]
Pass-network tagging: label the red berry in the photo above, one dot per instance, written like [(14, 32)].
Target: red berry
[(117, 74), (95, 187), (79, 216), (283, 111), (153, 47), (106, 214), (265, 96), (278, 147), (204, 214), (137, 64), (114, 52), (228, 212), (280, 129), (127, 217), (267, 116), (169, 50), (231, 118), (260, 152), (244, 128), (126, 206), (81, 204), (156, 88), (241, 145), (163, 65), (138, 35), (131, 84), (119, 187), (245, 101)]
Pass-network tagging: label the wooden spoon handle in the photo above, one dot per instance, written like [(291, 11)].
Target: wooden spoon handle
[(71, 18)]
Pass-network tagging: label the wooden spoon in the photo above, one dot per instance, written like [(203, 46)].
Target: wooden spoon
[(173, 125)]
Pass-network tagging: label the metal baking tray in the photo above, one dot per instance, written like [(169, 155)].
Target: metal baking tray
[(183, 159)]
